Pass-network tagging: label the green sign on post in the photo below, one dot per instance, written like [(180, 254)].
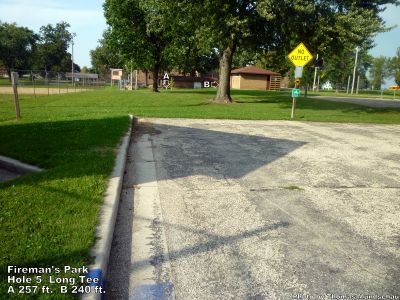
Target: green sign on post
[(295, 93)]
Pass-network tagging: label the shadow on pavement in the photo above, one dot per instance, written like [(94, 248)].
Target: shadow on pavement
[(216, 154)]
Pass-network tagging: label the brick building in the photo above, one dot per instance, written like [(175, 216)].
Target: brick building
[(253, 78)]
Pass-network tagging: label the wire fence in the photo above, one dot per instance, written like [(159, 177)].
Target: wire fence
[(41, 82)]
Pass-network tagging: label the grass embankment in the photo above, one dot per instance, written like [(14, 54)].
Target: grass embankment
[(48, 219)]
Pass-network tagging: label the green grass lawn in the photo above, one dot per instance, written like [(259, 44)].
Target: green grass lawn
[(49, 218), (386, 94), (254, 105)]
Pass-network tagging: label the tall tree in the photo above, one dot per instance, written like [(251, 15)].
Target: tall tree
[(151, 32), (184, 52), (325, 26), (141, 30), (394, 67), (17, 46), (53, 46), (188, 58), (228, 26), (379, 72), (104, 56)]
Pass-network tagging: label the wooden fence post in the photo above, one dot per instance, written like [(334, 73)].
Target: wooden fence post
[(14, 81)]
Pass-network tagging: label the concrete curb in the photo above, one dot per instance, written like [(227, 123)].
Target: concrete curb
[(16, 166), (108, 214), (150, 255)]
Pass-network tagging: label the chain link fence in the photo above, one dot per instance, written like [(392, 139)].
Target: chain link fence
[(33, 82)]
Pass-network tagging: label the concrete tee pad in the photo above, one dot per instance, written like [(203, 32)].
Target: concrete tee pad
[(263, 210)]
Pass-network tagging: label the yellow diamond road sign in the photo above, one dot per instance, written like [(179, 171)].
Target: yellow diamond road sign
[(300, 56)]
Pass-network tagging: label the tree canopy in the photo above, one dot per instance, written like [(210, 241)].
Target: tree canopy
[(52, 54), (17, 46), (140, 31), (21, 48), (104, 56), (394, 66), (185, 34)]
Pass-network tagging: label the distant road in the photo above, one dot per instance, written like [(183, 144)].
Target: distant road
[(362, 101)]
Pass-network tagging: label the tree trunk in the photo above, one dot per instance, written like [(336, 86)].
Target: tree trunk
[(156, 69), (146, 79), (9, 74), (225, 66)]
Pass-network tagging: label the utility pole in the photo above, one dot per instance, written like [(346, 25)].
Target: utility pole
[(348, 84), (354, 71), (131, 87), (315, 75), (136, 74), (14, 80), (72, 57)]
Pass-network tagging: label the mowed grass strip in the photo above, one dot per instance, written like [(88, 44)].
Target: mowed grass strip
[(49, 218), (181, 103)]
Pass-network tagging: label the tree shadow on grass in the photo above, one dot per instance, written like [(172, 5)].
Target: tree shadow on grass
[(53, 144)]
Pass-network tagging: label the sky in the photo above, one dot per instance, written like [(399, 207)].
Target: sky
[(388, 42), (85, 17), (87, 21)]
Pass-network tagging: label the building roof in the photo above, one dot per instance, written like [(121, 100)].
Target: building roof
[(253, 70)]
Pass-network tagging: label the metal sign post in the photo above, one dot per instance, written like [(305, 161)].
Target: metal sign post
[(354, 71), (300, 56), (348, 85), (315, 76), (14, 81), (295, 94)]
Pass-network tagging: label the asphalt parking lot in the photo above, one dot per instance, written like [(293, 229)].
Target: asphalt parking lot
[(219, 209)]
